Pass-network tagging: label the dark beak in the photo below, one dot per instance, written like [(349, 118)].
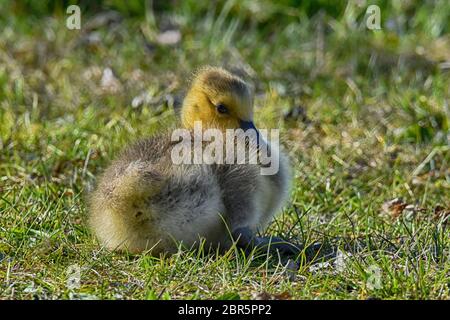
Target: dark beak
[(249, 125)]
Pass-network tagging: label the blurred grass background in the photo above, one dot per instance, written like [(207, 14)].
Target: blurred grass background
[(364, 115)]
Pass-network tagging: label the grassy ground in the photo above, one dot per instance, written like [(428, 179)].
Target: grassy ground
[(364, 115)]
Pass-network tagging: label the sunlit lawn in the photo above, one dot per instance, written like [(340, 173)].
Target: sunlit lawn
[(363, 114)]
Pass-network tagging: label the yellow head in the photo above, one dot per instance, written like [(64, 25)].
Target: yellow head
[(219, 100)]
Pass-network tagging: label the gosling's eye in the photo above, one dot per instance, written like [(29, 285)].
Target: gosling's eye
[(221, 108)]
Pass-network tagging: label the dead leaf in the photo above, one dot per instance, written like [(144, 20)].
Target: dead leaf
[(441, 213), (282, 296), (394, 208), (397, 208)]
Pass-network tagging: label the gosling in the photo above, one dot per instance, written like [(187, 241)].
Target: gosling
[(145, 202)]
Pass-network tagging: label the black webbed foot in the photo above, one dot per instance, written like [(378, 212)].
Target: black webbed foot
[(246, 240)]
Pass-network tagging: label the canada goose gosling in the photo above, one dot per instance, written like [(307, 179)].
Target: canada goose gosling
[(144, 202)]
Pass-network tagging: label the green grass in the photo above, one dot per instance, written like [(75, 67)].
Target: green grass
[(373, 126)]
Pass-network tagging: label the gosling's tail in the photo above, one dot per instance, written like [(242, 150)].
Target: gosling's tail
[(119, 207), (124, 189), (135, 183)]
